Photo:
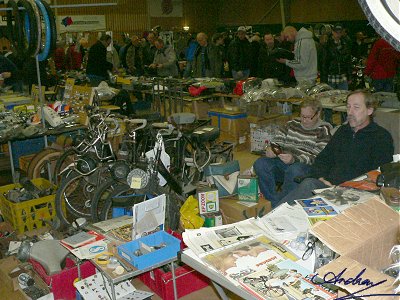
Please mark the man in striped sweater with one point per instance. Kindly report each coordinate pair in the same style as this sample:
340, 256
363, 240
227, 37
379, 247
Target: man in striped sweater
301, 140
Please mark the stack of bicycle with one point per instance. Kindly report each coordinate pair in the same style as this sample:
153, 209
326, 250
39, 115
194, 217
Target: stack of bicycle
153, 158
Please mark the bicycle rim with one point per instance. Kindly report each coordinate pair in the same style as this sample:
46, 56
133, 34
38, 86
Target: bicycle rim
38, 167
73, 198
64, 160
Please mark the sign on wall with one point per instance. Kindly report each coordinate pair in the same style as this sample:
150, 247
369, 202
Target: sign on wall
165, 8
81, 23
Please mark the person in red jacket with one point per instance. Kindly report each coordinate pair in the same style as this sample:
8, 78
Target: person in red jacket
382, 64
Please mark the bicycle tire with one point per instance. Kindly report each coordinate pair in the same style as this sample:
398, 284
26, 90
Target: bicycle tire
389, 30
44, 53
30, 27
102, 197
14, 31
38, 22
64, 160
39, 161
119, 190
70, 187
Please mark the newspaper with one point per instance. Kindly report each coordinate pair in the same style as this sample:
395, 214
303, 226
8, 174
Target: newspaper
285, 222
207, 239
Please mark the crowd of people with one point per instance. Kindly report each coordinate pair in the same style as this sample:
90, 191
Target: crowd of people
291, 56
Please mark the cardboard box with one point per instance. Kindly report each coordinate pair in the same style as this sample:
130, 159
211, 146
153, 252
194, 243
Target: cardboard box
363, 236
248, 188
10, 268
233, 211
233, 126
208, 200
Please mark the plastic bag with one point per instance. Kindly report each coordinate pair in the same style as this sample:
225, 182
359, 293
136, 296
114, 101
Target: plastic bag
190, 218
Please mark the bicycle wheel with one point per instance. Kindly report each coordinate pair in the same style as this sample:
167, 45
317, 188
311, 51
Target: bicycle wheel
103, 197
73, 197
38, 167
273, 291
63, 161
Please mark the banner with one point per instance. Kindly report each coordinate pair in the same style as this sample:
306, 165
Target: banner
81, 23
165, 8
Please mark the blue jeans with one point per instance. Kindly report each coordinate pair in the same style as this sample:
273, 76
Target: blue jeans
383, 85
303, 191
273, 170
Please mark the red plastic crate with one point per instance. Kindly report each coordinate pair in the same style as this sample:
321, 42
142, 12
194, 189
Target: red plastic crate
62, 283
187, 281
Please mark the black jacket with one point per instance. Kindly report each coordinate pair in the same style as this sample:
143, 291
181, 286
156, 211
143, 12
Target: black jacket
349, 155
336, 59
97, 61
239, 55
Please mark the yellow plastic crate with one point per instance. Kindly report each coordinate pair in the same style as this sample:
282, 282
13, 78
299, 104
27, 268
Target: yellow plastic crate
31, 214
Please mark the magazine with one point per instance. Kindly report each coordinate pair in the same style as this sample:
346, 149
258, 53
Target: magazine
248, 256
317, 209
81, 239
284, 280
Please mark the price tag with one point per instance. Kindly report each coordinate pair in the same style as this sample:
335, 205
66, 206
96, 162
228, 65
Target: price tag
136, 182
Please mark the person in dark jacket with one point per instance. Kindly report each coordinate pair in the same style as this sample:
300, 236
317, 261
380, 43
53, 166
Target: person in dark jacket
268, 67
336, 65
97, 66
356, 148
239, 55
218, 54
149, 51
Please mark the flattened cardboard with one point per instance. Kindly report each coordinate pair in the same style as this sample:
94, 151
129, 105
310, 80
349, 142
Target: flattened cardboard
363, 236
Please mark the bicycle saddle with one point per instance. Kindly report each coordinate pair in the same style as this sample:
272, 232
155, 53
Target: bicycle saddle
183, 118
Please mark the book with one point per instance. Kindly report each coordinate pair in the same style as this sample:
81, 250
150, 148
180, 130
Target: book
80, 239
285, 280
317, 209
245, 257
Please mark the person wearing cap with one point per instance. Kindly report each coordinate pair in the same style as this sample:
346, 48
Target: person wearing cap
336, 64
304, 63
239, 55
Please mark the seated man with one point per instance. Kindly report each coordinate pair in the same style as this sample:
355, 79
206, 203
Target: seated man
301, 139
357, 147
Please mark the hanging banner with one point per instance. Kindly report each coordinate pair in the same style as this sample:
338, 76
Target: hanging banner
165, 8
81, 23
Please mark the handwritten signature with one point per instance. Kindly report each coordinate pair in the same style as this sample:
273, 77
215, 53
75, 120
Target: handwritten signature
332, 278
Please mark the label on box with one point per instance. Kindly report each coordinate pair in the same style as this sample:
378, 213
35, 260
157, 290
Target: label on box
208, 201
248, 188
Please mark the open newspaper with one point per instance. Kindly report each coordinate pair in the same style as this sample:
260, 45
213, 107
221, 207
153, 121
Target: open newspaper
246, 257
204, 239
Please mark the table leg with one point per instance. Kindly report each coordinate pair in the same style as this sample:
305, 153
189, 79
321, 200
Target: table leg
220, 291
174, 281
14, 179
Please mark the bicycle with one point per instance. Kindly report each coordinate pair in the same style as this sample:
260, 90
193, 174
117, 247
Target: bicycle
87, 170
262, 286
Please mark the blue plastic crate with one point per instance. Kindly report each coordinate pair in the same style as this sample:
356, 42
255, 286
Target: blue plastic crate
28, 146
147, 260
